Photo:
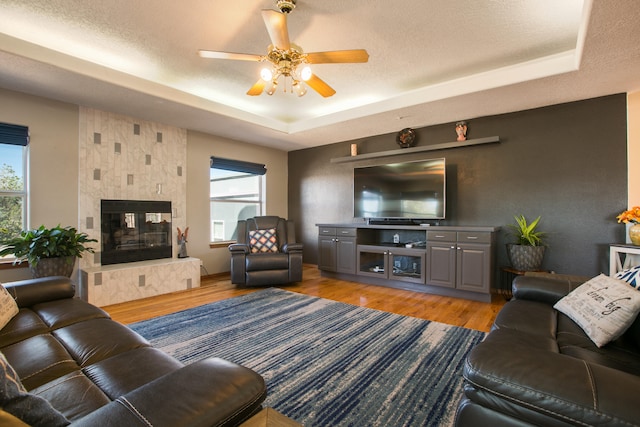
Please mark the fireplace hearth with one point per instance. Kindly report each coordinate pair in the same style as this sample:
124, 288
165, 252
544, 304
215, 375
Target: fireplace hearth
135, 230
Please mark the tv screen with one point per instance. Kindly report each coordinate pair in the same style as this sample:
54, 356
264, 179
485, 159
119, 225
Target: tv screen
411, 190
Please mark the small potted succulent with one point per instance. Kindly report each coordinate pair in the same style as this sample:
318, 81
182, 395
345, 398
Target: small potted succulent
528, 251
49, 251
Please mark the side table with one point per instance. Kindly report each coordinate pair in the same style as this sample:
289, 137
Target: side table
621, 256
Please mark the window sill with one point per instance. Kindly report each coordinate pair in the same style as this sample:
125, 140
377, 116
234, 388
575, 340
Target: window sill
7, 264
214, 245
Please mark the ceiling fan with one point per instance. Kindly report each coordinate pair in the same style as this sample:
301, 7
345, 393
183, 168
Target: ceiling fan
287, 59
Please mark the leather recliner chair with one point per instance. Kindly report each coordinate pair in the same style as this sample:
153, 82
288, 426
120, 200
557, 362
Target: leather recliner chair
254, 263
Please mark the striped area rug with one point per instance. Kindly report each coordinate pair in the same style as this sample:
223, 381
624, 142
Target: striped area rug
328, 363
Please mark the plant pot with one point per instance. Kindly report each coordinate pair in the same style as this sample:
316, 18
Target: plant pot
634, 234
525, 258
62, 266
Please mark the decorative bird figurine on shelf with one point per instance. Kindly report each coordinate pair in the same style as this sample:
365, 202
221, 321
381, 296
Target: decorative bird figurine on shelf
182, 242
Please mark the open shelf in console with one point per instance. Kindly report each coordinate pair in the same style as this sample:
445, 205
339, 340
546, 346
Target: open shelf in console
393, 237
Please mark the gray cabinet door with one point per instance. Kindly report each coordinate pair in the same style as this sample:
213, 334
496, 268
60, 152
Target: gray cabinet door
327, 253
441, 264
346, 255
474, 265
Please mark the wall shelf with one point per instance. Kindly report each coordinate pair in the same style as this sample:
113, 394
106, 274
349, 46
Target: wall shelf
433, 147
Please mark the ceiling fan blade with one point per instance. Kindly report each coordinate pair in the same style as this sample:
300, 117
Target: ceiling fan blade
276, 23
337, 56
317, 84
229, 55
257, 88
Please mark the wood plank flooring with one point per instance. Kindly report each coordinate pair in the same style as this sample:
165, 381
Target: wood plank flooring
453, 311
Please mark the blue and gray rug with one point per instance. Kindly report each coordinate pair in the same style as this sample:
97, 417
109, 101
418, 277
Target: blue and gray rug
328, 363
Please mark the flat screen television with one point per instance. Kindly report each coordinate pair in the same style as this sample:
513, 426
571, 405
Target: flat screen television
411, 190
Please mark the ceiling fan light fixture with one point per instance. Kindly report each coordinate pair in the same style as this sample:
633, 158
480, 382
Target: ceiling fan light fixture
271, 89
305, 73
286, 6
266, 74
299, 88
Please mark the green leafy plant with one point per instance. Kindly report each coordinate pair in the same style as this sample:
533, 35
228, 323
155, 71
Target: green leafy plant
526, 233
42, 242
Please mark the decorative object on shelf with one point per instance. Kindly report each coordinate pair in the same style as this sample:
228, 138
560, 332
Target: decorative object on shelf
354, 149
632, 216
461, 130
49, 251
527, 253
182, 243
406, 137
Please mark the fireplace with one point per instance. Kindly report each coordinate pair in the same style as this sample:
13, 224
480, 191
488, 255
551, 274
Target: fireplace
135, 230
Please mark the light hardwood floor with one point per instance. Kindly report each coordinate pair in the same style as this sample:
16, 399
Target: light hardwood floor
453, 311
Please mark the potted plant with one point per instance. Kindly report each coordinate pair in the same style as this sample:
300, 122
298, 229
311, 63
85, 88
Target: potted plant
49, 251
632, 216
527, 253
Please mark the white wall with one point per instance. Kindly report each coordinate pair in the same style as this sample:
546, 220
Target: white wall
53, 170
200, 148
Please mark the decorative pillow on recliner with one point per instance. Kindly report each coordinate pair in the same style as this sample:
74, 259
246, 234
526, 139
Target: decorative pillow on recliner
630, 275
30, 408
263, 241
8, 307
604, 307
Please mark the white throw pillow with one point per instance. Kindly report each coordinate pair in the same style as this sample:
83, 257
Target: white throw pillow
604, 307
8, 307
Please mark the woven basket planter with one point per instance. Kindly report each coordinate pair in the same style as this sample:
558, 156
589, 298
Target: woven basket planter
525, 258
62, 266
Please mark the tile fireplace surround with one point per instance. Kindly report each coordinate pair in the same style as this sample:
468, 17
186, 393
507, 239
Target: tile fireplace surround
122, 158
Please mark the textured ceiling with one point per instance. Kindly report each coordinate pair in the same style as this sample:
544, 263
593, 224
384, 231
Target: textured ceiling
430, 61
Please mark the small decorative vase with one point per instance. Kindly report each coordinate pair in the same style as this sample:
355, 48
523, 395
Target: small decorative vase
634, 234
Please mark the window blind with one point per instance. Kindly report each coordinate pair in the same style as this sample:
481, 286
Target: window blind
238, 166
14, 134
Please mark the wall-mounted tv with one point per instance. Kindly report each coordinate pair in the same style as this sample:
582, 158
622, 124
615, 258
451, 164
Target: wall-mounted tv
410, 190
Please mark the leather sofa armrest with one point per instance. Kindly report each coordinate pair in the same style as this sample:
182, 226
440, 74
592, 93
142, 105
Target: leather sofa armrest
542, 289
211, 392
510, 371
239, 247
292, 247
34, 291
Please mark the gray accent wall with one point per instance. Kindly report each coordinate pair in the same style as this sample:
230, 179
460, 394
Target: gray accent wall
567, 163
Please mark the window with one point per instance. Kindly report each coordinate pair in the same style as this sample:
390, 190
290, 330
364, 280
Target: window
236, 192
13, 178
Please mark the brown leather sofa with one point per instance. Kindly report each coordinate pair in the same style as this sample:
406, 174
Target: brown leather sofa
97, 372
538, 367
278, 267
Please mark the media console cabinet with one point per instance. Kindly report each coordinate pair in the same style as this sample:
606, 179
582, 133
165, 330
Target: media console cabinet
444, 260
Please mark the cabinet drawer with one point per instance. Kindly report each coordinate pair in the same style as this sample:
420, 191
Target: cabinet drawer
327, 231
350, 232
441, 236
473, 237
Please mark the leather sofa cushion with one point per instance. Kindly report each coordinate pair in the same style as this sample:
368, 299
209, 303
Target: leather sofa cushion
528, 317
39, 360
125, 372
24, 325
73, 394
86, 341
526, 372
61, 313
267, 261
